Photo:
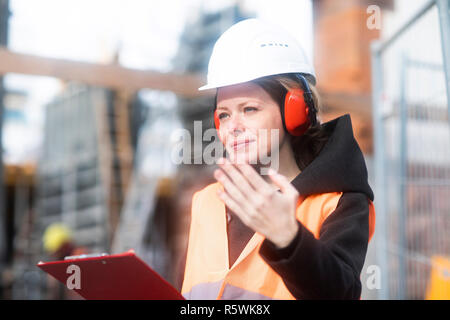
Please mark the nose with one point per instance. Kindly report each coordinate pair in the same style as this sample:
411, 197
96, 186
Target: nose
235, 125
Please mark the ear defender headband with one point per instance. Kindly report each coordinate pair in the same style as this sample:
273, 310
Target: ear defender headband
298, 112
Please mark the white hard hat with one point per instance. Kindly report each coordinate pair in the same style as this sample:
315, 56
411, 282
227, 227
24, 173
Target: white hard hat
252, 49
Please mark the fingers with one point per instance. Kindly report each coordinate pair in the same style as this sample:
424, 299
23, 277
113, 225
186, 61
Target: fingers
257, 182
239, 180
250, 179
229, 186
233, 205
283, 183
252, 186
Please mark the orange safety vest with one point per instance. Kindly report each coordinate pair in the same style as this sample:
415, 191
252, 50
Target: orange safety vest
207, 273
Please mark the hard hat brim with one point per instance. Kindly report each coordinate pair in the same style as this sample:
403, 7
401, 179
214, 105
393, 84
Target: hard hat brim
310, 77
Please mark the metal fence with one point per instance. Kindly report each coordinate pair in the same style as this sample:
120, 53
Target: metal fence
412, 152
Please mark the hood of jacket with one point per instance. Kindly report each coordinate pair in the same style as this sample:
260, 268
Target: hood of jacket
339, 166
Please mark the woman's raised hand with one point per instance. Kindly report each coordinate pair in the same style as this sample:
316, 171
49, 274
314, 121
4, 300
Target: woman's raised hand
257, 203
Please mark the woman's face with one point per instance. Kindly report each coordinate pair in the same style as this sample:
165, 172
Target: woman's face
250, 122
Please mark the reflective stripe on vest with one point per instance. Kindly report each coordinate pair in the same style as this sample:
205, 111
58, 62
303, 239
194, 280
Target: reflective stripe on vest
210, 291
207, 273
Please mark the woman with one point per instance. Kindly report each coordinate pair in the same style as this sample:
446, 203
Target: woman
301, 232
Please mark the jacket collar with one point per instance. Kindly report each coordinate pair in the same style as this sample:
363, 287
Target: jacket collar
340, 165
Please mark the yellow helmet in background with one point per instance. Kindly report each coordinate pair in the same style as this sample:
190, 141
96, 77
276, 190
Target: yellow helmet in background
55, 236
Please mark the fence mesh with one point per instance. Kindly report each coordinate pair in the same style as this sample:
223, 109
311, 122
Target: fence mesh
416, 157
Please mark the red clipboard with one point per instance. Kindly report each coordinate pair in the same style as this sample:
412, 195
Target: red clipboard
121, 276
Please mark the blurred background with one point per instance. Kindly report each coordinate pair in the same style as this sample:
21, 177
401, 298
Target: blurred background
91, 92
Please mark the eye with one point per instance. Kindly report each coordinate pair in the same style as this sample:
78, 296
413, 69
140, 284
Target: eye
250, 109
222, 115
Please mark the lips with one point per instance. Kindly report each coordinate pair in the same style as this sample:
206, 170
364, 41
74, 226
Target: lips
237, 145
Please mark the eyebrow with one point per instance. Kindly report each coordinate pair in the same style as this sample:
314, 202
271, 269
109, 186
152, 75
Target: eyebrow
239, 105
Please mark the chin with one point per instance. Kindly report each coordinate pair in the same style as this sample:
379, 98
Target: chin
241, 157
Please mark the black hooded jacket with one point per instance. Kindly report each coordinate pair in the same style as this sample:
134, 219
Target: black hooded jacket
328, 267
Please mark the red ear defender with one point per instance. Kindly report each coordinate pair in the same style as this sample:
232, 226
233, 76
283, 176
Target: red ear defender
217, 124
216, 121
296, 117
